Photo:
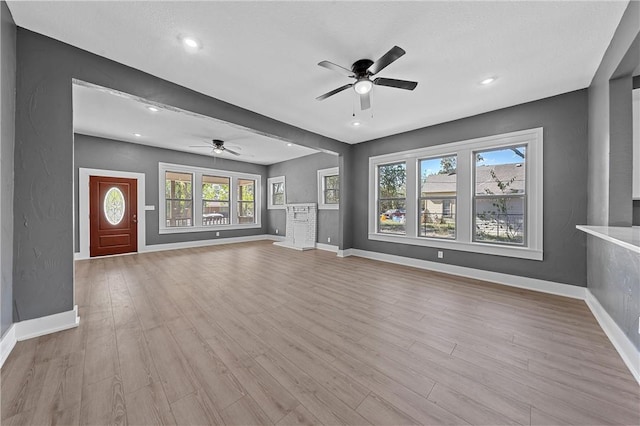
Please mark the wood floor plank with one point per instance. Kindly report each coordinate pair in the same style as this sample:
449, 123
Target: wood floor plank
188, 337
175, 373
300, 416
135, 360
103, 403
149, 406
320, 402
196, 409
245, 411
271, 396
380, 412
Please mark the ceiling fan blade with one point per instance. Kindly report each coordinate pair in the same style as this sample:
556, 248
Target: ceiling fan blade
392, 82
333, 92
386, 59
231, 152
200, 146
337, 68
365, 101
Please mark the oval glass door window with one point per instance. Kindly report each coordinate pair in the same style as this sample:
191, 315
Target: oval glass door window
114, 206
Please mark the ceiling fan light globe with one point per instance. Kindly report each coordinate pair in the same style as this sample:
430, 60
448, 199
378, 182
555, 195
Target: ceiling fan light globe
217, 150
363, 86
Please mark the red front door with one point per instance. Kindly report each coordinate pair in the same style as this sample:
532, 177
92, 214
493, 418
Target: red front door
113, 221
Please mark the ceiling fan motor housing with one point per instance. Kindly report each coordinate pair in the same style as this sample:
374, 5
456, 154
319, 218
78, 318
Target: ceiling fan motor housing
360, 68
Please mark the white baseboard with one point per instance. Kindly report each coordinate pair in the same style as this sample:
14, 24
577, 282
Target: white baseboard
327, 247
205, 243
36, 327
628, 352
193, 244
534, 284
7, 342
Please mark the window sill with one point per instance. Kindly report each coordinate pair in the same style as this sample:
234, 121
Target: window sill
278, 207
480, 248
188, 229
328, 206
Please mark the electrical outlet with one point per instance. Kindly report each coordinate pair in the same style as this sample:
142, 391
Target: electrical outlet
276, 230
328, 239
217, 233
440, 254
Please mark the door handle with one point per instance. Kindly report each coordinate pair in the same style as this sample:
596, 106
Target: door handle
135, 219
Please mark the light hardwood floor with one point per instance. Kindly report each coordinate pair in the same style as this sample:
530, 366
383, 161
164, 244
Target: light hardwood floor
256, 334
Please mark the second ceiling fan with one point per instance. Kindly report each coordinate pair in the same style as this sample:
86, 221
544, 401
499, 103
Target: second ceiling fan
362, 70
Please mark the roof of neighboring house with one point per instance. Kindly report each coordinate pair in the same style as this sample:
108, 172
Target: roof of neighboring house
485, 182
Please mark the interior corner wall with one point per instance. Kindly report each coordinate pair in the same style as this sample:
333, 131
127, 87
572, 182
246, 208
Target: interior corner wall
301, 186
612, 271
43, 196
7, 142
107, 154
564, 120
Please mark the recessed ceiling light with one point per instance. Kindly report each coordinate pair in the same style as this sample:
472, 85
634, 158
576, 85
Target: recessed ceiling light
355, 123
153, 109
289, 144
137, 135
488, 81
190, 43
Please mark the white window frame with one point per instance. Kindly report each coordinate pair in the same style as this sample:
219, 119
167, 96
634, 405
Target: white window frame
197, 173
270, 182
333, 171
533, 249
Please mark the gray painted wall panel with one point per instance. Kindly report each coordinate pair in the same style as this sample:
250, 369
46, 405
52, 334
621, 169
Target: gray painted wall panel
7, 126
564, 121
613, 271
43, 229
98, 153
301, 187
614, 279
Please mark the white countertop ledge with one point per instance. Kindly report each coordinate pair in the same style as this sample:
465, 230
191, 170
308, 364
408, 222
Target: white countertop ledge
627, 237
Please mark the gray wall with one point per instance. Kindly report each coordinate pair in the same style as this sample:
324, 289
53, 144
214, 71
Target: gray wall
301, 187
613, 277
613, 273
564, 119
7, 141
43, 235
98, 153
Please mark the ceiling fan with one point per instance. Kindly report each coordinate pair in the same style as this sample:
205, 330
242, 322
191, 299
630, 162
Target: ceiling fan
362, 70
217, 147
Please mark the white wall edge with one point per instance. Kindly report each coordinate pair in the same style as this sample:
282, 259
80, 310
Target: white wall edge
527, 283
205, 243
36, 327
628, 352
7, 343
327, 247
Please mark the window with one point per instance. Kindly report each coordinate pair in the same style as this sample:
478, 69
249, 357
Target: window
197, 199
246, 201
215, 200
438, 189
392, 193
329, 188
178, 199
482, 195
277, 195
499, 197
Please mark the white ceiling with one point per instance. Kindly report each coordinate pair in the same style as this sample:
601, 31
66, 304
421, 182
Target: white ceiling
109, 114
263, 56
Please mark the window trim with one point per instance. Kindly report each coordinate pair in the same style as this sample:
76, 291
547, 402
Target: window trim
322, 173
196, 194
270, 182
533, 250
